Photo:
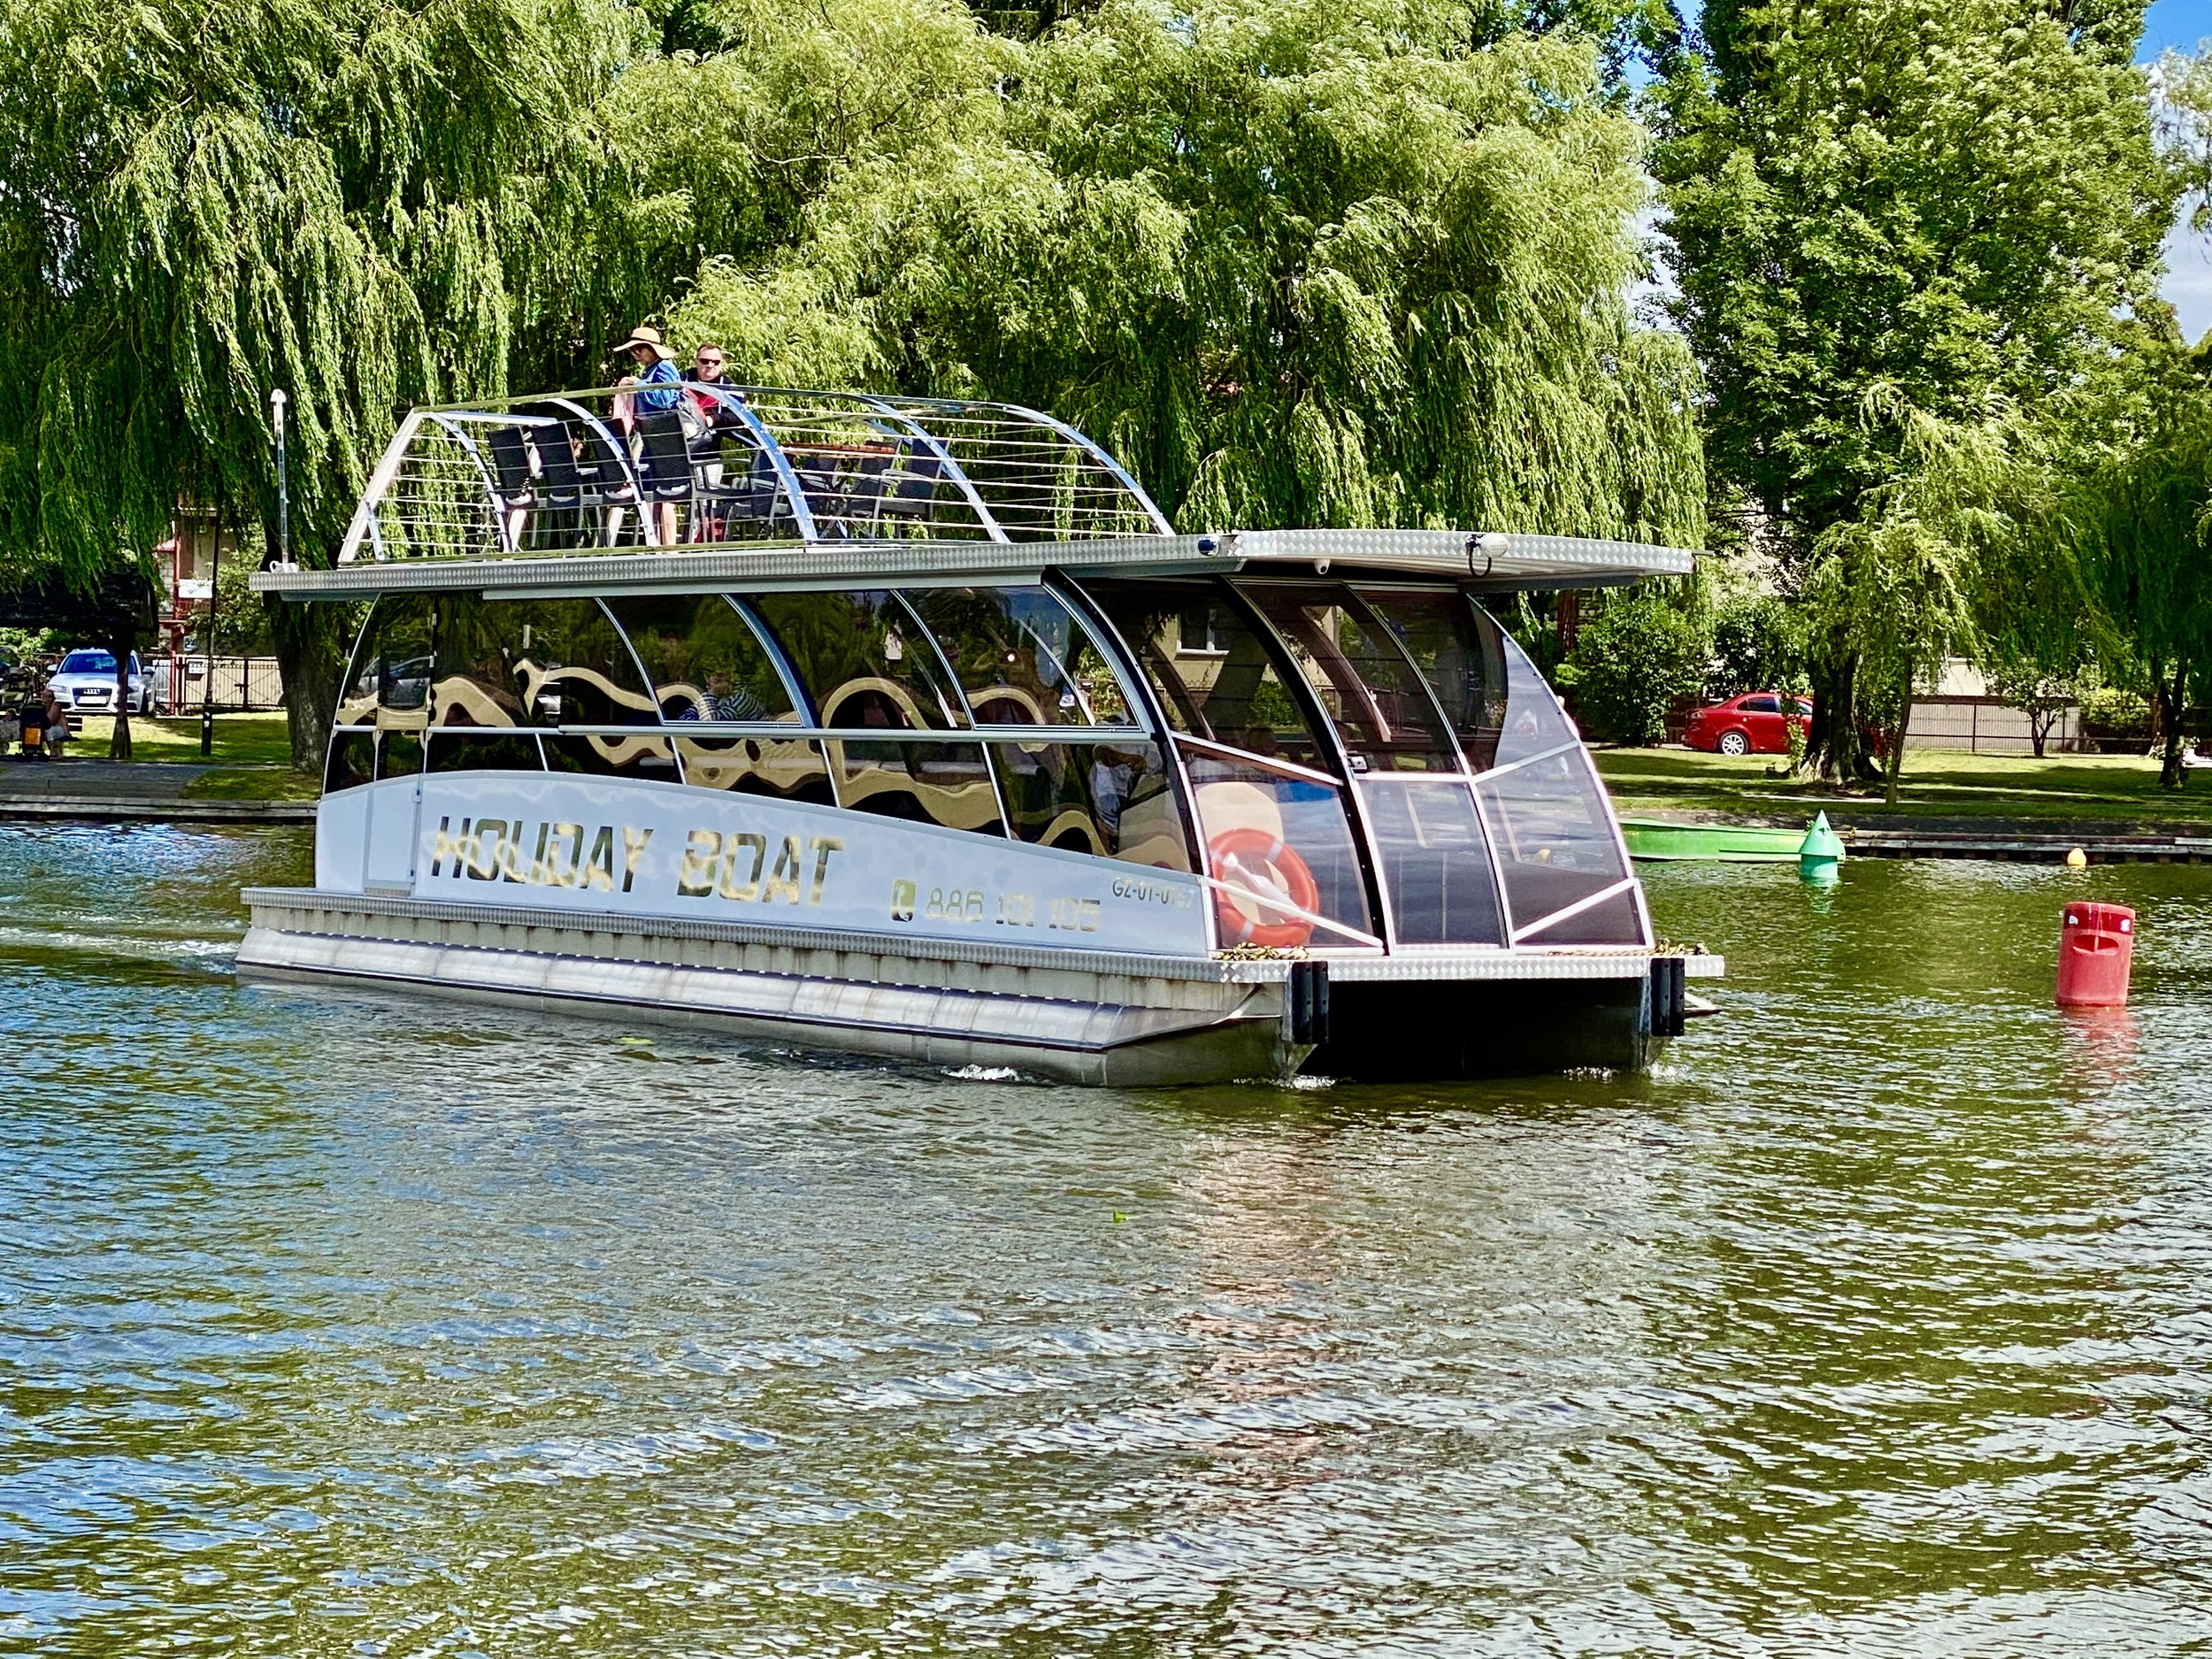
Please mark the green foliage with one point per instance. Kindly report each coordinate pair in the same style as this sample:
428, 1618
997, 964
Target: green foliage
242, 621
2119, 709
1298, 263
2140, 520
1904, 230
1632, 661
1350, 262
1758, 645
1933, 203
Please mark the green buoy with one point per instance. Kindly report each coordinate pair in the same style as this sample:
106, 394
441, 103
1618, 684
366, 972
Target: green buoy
1820, 854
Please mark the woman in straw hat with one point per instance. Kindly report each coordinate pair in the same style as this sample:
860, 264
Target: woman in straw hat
655, 371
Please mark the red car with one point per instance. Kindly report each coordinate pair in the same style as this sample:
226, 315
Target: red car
1749, 724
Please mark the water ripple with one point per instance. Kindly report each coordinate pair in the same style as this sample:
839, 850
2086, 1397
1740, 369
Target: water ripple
1878, 1321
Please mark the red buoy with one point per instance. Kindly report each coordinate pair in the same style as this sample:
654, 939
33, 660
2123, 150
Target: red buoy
2096, 948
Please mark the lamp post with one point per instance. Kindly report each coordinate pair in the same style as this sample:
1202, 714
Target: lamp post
284, 499
207, 642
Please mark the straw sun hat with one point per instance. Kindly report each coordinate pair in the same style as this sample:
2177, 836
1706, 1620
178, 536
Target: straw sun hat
648, 337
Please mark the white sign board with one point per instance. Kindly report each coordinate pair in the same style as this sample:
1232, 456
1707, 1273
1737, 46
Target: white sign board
603, 845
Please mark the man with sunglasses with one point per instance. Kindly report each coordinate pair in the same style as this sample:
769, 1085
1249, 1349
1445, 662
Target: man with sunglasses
706, 370
709, 417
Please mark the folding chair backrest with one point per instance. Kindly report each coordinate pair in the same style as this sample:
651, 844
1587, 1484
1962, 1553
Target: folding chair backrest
510, 459
605, 468
667, 472
914, 486
563, 484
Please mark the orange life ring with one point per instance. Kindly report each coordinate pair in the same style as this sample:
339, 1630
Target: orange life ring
1228, 851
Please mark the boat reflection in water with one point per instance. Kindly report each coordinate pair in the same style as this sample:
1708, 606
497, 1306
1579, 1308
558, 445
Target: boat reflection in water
926, 736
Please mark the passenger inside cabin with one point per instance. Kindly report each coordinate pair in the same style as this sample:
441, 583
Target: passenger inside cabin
724, 700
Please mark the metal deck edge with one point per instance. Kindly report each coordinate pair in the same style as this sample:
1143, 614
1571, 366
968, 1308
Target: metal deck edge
1595, 963
1523, 561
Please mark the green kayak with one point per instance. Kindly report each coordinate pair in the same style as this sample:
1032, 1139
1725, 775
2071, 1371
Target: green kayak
1652, 838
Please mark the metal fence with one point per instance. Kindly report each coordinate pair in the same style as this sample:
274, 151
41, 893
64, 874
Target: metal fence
181, 684
1983, 726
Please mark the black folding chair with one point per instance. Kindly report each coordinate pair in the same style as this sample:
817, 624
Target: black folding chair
912, 489
752, 496
859, 491
664, 467
562, 489
517, 485
607, 479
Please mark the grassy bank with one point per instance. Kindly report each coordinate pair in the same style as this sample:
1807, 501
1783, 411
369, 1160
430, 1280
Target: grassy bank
2117, 789
241, 740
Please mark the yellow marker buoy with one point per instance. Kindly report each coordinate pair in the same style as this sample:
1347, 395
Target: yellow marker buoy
2078, 859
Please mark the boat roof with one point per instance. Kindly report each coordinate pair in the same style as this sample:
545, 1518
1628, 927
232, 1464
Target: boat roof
1493, 563
722, 485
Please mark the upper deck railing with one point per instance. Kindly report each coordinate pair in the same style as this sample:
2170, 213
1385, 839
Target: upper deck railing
697, 466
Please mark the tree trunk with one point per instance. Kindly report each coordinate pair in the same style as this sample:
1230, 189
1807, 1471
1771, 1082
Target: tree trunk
311, 642
2172, 705
1833, 745
1895, 759
122, 643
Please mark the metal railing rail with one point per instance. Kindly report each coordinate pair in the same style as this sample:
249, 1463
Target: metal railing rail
718, 465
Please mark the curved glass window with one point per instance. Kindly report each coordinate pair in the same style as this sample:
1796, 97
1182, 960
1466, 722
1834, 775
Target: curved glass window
478, 750
863, 659
787, 769
398, 754
1551, 826
1460, 652
352, 760
1436, 869
384, 702
534, 663
610, 755
1381, 709
706, 661
1109, 799
1280, 850
924, 782
387, 684
1215, 676
1022, 657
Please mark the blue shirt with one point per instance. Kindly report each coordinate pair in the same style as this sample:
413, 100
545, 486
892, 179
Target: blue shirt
662, 373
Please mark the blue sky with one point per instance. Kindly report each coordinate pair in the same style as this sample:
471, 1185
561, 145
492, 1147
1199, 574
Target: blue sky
2182, 25
2178, 23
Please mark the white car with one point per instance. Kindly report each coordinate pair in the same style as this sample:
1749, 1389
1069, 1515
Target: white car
86, 682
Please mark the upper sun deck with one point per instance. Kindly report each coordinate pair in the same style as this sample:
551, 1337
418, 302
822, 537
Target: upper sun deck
621, 488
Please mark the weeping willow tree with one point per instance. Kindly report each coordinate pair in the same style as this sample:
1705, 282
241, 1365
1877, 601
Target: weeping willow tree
1353, 264
1298, 263
2139, 514
201, 200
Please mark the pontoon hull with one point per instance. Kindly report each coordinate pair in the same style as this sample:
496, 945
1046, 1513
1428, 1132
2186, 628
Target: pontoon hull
1082, 1017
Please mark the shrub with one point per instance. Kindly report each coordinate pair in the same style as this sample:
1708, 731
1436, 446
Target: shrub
1632, 662
1759, 645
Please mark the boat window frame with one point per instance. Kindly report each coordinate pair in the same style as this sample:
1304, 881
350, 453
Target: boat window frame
1377, 626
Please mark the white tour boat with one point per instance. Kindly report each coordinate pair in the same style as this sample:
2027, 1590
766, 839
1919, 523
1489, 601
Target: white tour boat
912, 727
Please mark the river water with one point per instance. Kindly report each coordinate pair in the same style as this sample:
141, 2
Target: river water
1878, 1321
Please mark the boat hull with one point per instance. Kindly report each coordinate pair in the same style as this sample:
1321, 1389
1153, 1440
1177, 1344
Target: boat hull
1100, 1017
1659, 840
